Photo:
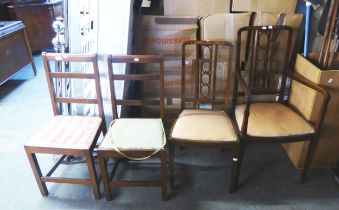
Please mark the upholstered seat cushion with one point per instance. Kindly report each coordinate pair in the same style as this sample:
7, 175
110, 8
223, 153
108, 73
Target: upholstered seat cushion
134, 134
67, 132
204, 125
272, 120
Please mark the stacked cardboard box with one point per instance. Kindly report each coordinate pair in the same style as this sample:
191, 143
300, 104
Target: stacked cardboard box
165, 35
200, 19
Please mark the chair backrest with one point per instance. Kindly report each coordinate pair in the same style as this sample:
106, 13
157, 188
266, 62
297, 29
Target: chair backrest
208, 54
268, 59
52, 76
136, 59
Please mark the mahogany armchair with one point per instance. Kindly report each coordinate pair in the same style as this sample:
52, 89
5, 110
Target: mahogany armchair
274, 120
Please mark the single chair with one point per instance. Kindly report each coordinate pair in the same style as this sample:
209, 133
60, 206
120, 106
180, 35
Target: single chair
268, 116
65, 134
204, 120
134, 138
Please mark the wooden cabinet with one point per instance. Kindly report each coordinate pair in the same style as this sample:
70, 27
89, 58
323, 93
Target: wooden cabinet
38, 19
14, 49
4, 15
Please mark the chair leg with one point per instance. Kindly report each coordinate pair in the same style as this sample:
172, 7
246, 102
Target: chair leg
241, 148
93, 175
37, 172
171, 163
104, 175
310, 153
163, 175
233, 178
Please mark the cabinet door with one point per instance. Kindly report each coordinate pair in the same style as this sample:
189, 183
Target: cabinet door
13, 55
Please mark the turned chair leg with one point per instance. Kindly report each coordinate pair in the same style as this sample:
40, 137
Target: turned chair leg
37, 172
163, 175
93, 175
171, 164
309, 157
105, 179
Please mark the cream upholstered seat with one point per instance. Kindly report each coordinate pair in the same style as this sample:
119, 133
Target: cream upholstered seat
135, 134
203, 125
67, 132
272, 120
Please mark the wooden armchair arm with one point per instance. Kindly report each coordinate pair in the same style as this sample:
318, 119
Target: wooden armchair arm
248, 96
322, 91
244, 87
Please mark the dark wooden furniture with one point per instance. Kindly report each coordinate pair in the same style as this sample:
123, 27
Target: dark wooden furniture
205, 127
131, 138
15, 51
272, 121
4, 14
38, 18
68, 135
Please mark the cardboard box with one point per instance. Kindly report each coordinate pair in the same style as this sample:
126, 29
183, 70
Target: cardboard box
195, 7
292, 20
306, 101
172, 78
225, 27
274, 6
158, 34
164, 35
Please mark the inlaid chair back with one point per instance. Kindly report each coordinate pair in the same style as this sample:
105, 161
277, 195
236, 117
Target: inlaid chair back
213, 62
267, 59
55, 77
136, 59
204, 120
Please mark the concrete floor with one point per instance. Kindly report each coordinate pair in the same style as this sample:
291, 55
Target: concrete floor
268, 179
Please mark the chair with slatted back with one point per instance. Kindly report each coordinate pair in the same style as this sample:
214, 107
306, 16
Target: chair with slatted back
204, 120
134, 138
269, 114
68, 135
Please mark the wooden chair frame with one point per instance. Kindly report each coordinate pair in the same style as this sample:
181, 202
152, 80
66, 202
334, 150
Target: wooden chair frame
31, 150
104, 155
248, 92
198, 99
